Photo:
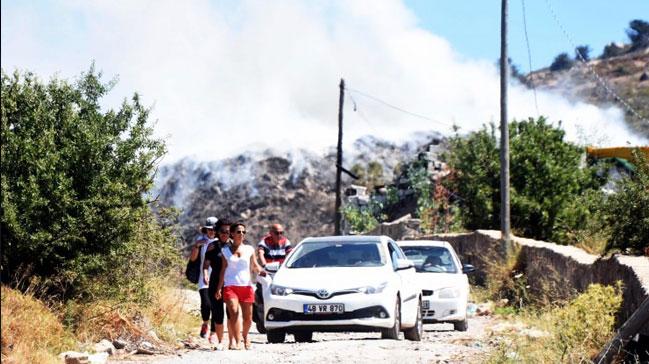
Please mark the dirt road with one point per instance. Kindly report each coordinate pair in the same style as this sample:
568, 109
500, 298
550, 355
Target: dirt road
440, 345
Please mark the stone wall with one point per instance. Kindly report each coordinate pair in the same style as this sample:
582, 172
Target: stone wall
554, 270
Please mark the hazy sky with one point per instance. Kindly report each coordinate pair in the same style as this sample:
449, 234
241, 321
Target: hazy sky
226, 76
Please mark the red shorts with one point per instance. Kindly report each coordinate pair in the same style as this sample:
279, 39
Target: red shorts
244, 294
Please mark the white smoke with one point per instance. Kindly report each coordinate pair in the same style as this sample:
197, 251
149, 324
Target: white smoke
225, 76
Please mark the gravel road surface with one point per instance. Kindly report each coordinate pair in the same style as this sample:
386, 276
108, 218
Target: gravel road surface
440, 344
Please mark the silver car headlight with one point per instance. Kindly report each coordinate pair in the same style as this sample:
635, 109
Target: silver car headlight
280, 291
372, 289
449, 292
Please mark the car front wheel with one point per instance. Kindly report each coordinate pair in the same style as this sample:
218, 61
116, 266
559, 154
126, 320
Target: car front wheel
461, 325
393, 332
416, 332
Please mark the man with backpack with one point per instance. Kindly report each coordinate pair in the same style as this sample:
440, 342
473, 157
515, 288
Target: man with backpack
202, 242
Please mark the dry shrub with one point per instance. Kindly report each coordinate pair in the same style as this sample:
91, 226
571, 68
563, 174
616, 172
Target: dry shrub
169, 316
505, 280
31, 333
573, 333
162, 321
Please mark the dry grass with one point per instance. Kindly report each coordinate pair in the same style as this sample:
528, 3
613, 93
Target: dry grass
161, 321
31, 333
168, 316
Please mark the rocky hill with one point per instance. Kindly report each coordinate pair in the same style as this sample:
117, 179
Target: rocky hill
627, 75
295, 188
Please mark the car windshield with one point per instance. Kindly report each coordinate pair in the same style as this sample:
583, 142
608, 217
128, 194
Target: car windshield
336, 254
431, 259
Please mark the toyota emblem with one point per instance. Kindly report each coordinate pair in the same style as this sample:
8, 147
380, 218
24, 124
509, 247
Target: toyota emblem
322, 293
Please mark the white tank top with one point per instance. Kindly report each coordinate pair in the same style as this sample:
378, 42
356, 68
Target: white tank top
201, 282
237, 273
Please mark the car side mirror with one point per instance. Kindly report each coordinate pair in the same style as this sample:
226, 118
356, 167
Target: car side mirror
272, 267
404, 264
468, 268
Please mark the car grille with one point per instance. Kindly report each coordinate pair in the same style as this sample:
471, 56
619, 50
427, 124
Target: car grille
428, 313
313, 293
279, 314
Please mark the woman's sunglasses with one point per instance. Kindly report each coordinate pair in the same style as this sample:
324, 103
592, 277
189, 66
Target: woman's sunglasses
240, 232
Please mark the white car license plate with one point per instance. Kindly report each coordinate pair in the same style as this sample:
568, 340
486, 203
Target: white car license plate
425, 305
324, 308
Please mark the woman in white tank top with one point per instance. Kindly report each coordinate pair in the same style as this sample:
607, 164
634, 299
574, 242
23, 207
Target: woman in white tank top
238, 264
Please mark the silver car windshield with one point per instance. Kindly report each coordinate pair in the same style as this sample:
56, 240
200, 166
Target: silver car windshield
336, 254
431, 259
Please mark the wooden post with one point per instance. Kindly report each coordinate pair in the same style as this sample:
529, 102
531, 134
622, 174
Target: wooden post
339, 160
504, 132
632, 326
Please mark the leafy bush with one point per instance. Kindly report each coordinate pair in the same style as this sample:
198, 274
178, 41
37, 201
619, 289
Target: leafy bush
73, 180
360, 219
562, 62
627, 211
582, 223
573, 333
545, 177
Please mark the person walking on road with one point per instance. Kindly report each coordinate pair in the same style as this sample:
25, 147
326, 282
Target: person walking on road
273, 247
213, 262
199, 249
238, 263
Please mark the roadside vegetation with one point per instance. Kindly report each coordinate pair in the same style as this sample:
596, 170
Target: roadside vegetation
84, 256
555, 196
570, 333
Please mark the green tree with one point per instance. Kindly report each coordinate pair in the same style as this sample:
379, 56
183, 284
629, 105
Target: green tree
638, 33
73, 183
627, 211
562, 62
612, 50
545, 176
370, 175
582, 52
360, 219
476, 167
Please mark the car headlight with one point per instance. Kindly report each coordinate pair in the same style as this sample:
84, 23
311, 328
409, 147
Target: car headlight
373, 289
449, 293
280, 291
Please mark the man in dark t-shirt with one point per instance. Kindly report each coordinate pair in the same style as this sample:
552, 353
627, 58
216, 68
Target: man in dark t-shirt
213, 260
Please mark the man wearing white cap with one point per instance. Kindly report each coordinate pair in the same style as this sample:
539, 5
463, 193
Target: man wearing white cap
202, 241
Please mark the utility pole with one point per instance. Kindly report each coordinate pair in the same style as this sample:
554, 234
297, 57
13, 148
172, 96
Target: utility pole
339, 158
504, 131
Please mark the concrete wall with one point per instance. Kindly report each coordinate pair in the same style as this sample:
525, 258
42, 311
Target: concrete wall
559, 270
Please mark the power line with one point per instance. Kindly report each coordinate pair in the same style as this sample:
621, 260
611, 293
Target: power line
598, 78
360, 113
385, 103
529, 58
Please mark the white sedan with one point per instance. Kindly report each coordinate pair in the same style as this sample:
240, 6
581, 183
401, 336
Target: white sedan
343, 283
442, 279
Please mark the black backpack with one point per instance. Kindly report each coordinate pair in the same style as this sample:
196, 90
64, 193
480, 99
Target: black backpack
193, 270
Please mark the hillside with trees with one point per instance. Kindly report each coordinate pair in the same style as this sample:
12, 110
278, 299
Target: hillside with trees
623, 69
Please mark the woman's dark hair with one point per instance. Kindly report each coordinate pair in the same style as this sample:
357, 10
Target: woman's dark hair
234, 226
